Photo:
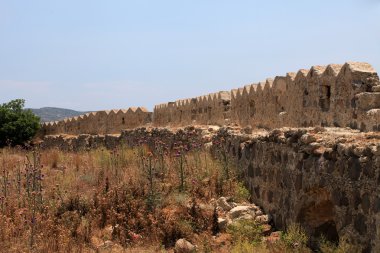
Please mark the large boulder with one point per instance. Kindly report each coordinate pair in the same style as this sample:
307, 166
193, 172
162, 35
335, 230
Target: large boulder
184, 246
238, 211
262, 219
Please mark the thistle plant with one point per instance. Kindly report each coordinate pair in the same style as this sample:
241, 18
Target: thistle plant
150, 176
148, 170
5, 184
161, 151
33, 187
180, 155
223, 157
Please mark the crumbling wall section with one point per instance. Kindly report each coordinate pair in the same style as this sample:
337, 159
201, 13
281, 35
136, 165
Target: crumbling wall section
101, 122
326, 181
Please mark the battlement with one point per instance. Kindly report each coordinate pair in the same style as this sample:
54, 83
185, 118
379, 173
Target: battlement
100, 122
211, 109
345, 95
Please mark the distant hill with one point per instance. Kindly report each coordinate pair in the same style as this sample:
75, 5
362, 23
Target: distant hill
52, 113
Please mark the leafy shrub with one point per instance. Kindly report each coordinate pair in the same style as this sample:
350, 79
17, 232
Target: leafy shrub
242, 246
245, 230
241, 192
295, 236
17, 125
343, 246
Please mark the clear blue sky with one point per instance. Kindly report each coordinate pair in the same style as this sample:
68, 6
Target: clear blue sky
93, 55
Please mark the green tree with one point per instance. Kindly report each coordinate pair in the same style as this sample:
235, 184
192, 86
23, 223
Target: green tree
17, 125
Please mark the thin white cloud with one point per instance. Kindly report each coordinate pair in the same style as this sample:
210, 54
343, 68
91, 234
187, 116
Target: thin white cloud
34, 92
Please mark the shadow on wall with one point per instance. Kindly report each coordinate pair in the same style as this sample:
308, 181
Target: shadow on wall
317, 215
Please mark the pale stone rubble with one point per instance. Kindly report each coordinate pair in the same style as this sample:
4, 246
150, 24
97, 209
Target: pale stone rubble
184, 246
231, 212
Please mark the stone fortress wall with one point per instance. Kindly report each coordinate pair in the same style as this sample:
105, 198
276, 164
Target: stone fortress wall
326, 179
345, 95
211, 109
101, 122
335, 95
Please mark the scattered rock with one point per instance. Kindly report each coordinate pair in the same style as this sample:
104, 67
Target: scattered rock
311, 147
222, 224
364, 159
262, 219
375, 150
222, 202
376, 88
246, 216
238, 211
208, 145
307, 139
319, 129
247, 130
267, 229
106, 245
184, 246
273, 237
233, 204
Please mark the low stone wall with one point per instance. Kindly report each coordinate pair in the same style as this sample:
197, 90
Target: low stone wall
325, 179
188, 137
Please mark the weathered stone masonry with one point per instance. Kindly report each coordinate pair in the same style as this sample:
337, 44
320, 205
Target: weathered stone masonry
326, 178
326, 181
335, 95
101, 122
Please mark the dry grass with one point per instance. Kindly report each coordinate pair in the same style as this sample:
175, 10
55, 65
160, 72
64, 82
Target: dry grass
140, 199
53, 201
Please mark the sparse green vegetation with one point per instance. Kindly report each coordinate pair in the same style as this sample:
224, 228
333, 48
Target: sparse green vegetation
241, 192
343, 246
295, 237
246, 231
